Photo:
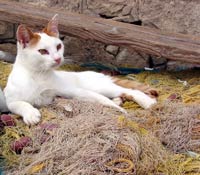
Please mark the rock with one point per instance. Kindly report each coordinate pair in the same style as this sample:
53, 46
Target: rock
6, 56
7, 30
86, 51
158, 61
91, 12
123, 54
73, 6
3, 28
37, 2
3, 106
126, 10
107, 8
7, 34
135, 11
175, 16
8, 47
112, 49
130, 58
178, 66
127, 19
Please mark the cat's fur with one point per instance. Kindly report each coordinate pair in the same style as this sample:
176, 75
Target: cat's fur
33, 81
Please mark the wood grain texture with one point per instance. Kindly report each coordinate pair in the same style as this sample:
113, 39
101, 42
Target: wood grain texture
151, 41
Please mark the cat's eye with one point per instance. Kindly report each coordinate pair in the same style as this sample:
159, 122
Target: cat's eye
43, 51
58, 46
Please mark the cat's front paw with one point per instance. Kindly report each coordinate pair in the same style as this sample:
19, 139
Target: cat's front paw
32, 116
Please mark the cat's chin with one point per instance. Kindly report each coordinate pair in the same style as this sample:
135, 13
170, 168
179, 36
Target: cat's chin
51, 67
54, 66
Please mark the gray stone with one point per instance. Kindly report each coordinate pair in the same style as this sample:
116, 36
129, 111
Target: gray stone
3, 28
86, 51
158, 61
112, 49
131, 58
107, 8
6, 56
178, 66
8, 47
175, 16
135, 11
122, 55
126, 10
6, 30
127, 19
3, 106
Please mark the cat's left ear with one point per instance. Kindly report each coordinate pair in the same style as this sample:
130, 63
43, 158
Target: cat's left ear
52, 27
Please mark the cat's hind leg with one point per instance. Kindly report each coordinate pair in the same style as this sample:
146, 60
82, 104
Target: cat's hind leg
139, 97
131, 84
113, 91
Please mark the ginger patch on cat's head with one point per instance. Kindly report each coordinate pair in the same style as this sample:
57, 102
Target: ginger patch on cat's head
26, 37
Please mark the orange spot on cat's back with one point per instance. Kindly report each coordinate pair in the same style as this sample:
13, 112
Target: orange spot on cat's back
136, 85
126, 83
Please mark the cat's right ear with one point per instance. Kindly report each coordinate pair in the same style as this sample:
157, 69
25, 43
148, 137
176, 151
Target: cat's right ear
24, 35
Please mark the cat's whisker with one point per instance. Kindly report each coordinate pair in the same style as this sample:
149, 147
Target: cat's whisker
68, 60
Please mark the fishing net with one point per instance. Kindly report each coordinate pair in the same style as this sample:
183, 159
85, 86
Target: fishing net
175, 124
91, 139
78, 137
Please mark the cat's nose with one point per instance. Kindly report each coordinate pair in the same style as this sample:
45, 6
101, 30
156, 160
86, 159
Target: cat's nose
57, 60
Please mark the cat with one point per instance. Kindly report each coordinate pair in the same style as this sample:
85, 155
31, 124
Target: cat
34, 82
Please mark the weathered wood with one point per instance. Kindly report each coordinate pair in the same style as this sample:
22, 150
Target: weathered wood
172, 46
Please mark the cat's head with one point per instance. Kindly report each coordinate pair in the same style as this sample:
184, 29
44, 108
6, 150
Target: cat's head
43, 50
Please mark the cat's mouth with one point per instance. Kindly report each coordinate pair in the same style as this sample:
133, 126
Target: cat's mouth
56, 64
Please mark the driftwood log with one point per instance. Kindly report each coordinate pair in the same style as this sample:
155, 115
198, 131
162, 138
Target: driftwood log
151, 41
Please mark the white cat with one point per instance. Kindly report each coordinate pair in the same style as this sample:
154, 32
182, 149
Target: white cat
34, 81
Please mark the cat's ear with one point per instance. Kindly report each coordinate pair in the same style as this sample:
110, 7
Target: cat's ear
52, 27
24, 35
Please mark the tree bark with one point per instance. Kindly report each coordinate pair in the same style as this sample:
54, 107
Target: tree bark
172, 46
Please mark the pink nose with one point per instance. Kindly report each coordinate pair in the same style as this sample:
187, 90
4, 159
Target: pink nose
58, 60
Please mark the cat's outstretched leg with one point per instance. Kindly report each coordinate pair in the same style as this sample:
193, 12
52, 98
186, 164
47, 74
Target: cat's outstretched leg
139, 97
114, 91
113, 87
30, 114
88, 95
